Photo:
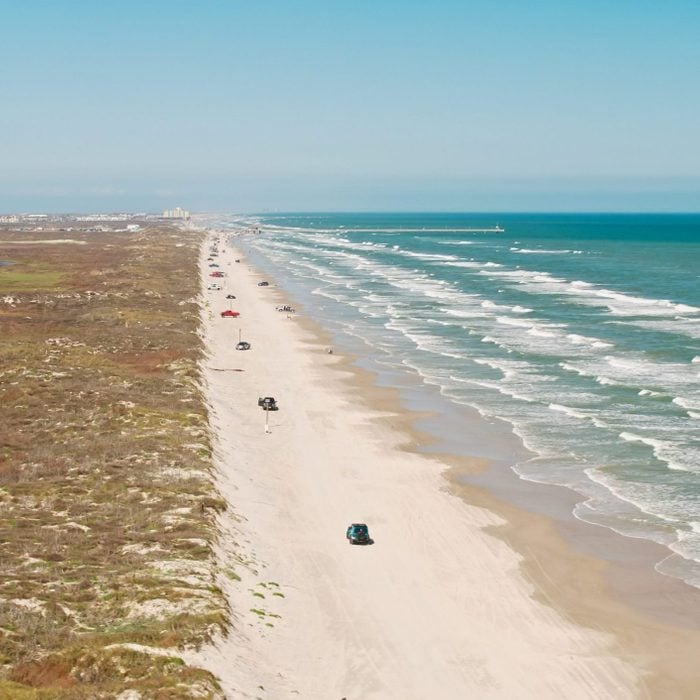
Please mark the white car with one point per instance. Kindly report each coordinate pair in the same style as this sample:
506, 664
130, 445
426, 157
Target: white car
214, 287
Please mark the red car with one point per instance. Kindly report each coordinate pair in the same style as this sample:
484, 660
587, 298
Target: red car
218, 273
230, 314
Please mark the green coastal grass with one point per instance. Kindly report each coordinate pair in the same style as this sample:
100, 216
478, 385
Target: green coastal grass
18, 281
107, 504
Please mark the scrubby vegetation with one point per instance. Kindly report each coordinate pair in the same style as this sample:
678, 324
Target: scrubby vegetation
107, 504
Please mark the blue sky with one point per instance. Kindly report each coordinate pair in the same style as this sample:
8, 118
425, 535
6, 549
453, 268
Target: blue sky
384, 105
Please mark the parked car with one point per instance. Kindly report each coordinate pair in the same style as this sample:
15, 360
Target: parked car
268, 403
230, 314
263, 284
230, 296
358, 533
214, 287
286, 308
216, 273
243, 345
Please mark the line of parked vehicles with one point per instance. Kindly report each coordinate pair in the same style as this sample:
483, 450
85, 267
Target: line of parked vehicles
356, 533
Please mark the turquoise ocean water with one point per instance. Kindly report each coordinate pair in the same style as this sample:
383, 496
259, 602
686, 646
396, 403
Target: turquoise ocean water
578, 333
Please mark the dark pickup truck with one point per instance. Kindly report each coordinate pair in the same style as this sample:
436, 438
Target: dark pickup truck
267, 403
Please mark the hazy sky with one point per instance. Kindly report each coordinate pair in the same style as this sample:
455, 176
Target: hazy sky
245, 105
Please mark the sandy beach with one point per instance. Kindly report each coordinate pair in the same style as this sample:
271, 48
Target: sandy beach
438, 606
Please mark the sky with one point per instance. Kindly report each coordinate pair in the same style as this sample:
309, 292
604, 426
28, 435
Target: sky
320, 105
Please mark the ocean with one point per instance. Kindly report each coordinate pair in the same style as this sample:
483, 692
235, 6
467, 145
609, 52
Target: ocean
575, 339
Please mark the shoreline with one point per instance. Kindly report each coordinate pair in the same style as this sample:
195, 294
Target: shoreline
385, 402
498, 449
644, 608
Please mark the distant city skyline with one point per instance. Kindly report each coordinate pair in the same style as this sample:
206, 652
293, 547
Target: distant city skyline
222, 106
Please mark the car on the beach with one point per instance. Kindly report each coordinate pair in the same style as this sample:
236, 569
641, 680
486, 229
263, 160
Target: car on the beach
242, 345
267, 403
214, 287
229, 313
230, 296
216, 273
358, 533
285, 307
263, 284
213, 264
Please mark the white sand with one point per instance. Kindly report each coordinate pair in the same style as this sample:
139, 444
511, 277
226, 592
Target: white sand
436, 608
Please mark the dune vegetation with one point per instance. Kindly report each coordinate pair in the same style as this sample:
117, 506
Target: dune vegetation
107, 504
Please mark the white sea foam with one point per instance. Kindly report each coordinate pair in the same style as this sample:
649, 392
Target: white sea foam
472, 264
649, 519
428, 257
618, 303
648, 498
493, 363
634, 371
467, 313
574, 413
544, 251
688, 404
509, 321
538, 332
424, 341
577, 339
678, 325
672, 455
505, 390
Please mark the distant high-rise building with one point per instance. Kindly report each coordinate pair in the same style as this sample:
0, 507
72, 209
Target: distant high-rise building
177, 213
